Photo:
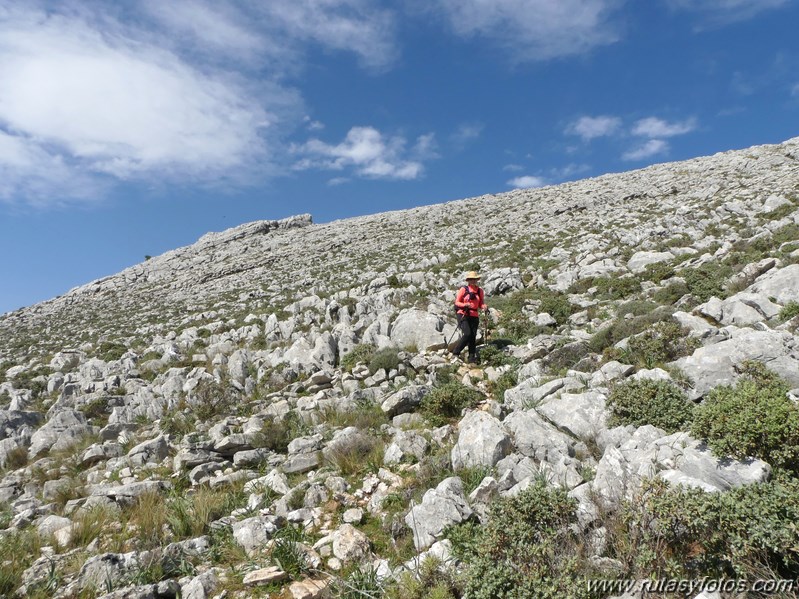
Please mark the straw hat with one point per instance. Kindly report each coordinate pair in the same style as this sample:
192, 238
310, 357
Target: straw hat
472, 274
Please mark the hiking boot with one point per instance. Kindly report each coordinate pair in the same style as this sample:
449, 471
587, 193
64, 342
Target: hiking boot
473, 359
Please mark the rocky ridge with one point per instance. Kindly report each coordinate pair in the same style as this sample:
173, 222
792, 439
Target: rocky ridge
271, 409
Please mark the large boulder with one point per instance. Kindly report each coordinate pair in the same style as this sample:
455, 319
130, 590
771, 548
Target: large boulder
640, 260
482, 441
62, 431
502, 280
405, 400
715, 364
781, 284
677, 458
582, 415
441, 507
415, 328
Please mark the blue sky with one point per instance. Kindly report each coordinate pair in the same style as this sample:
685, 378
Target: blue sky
128, 129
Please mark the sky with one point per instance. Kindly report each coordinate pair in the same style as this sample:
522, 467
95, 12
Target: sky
131, 128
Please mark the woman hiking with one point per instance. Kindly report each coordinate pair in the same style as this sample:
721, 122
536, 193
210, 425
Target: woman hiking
469, 301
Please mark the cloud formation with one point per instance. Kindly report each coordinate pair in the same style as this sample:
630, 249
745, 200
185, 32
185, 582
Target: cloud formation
527, 181
724, 12
185, 90
532, 30
655, 127
653, 147
591, 127
368, 154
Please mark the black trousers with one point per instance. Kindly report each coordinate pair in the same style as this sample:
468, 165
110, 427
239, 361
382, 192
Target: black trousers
469, 325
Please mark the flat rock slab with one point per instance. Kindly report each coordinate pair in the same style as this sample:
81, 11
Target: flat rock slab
264, 576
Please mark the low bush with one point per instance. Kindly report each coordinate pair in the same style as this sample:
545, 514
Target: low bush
447, 401
507, 380
359, 454
386, 359
644, 401
277, 434
527, 548
746, 533
708, 280
616, 288
567, 356
110, 351
362, 352
211, 398
433, 581
622, 328
789, 311
662, 342
287, 552
671, 293
754, 417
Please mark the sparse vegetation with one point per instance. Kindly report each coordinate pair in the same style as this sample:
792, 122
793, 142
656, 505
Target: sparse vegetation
754, 417
645, 401
447, 401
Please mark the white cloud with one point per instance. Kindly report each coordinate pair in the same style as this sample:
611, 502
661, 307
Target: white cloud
723, 12
654, 127
369, 154
120, 107
534, 29
467, 132
513, 168
795, 90
569, 171
590, 127
653, 147
46, 178
183, 91
527, 181
352, 25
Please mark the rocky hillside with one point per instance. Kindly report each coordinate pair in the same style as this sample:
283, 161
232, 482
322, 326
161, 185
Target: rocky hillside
271, 410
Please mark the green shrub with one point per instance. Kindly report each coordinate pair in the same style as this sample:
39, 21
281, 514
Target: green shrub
658, 271
277, 434
662, 342
491, 355
287, 552
212, 398
622, 328
431, 582
708, 280
386, 359
747, 533
644, 401
527, 549
789, 311
507, 380
359, 454
671, 293
514, 321
362, 582
566, 356
448, 401
616, 288
111, 350
362, 352
752, 418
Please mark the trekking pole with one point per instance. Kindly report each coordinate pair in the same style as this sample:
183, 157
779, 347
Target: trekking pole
451, 337
485, 327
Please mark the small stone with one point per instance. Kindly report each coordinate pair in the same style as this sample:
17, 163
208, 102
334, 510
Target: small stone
264, 576
353, 516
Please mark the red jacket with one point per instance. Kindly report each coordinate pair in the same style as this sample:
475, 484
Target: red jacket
470, 300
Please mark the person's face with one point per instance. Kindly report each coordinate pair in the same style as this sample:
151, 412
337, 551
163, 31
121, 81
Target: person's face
471, 282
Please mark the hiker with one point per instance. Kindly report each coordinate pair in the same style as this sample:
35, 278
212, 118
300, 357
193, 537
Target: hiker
469, 301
